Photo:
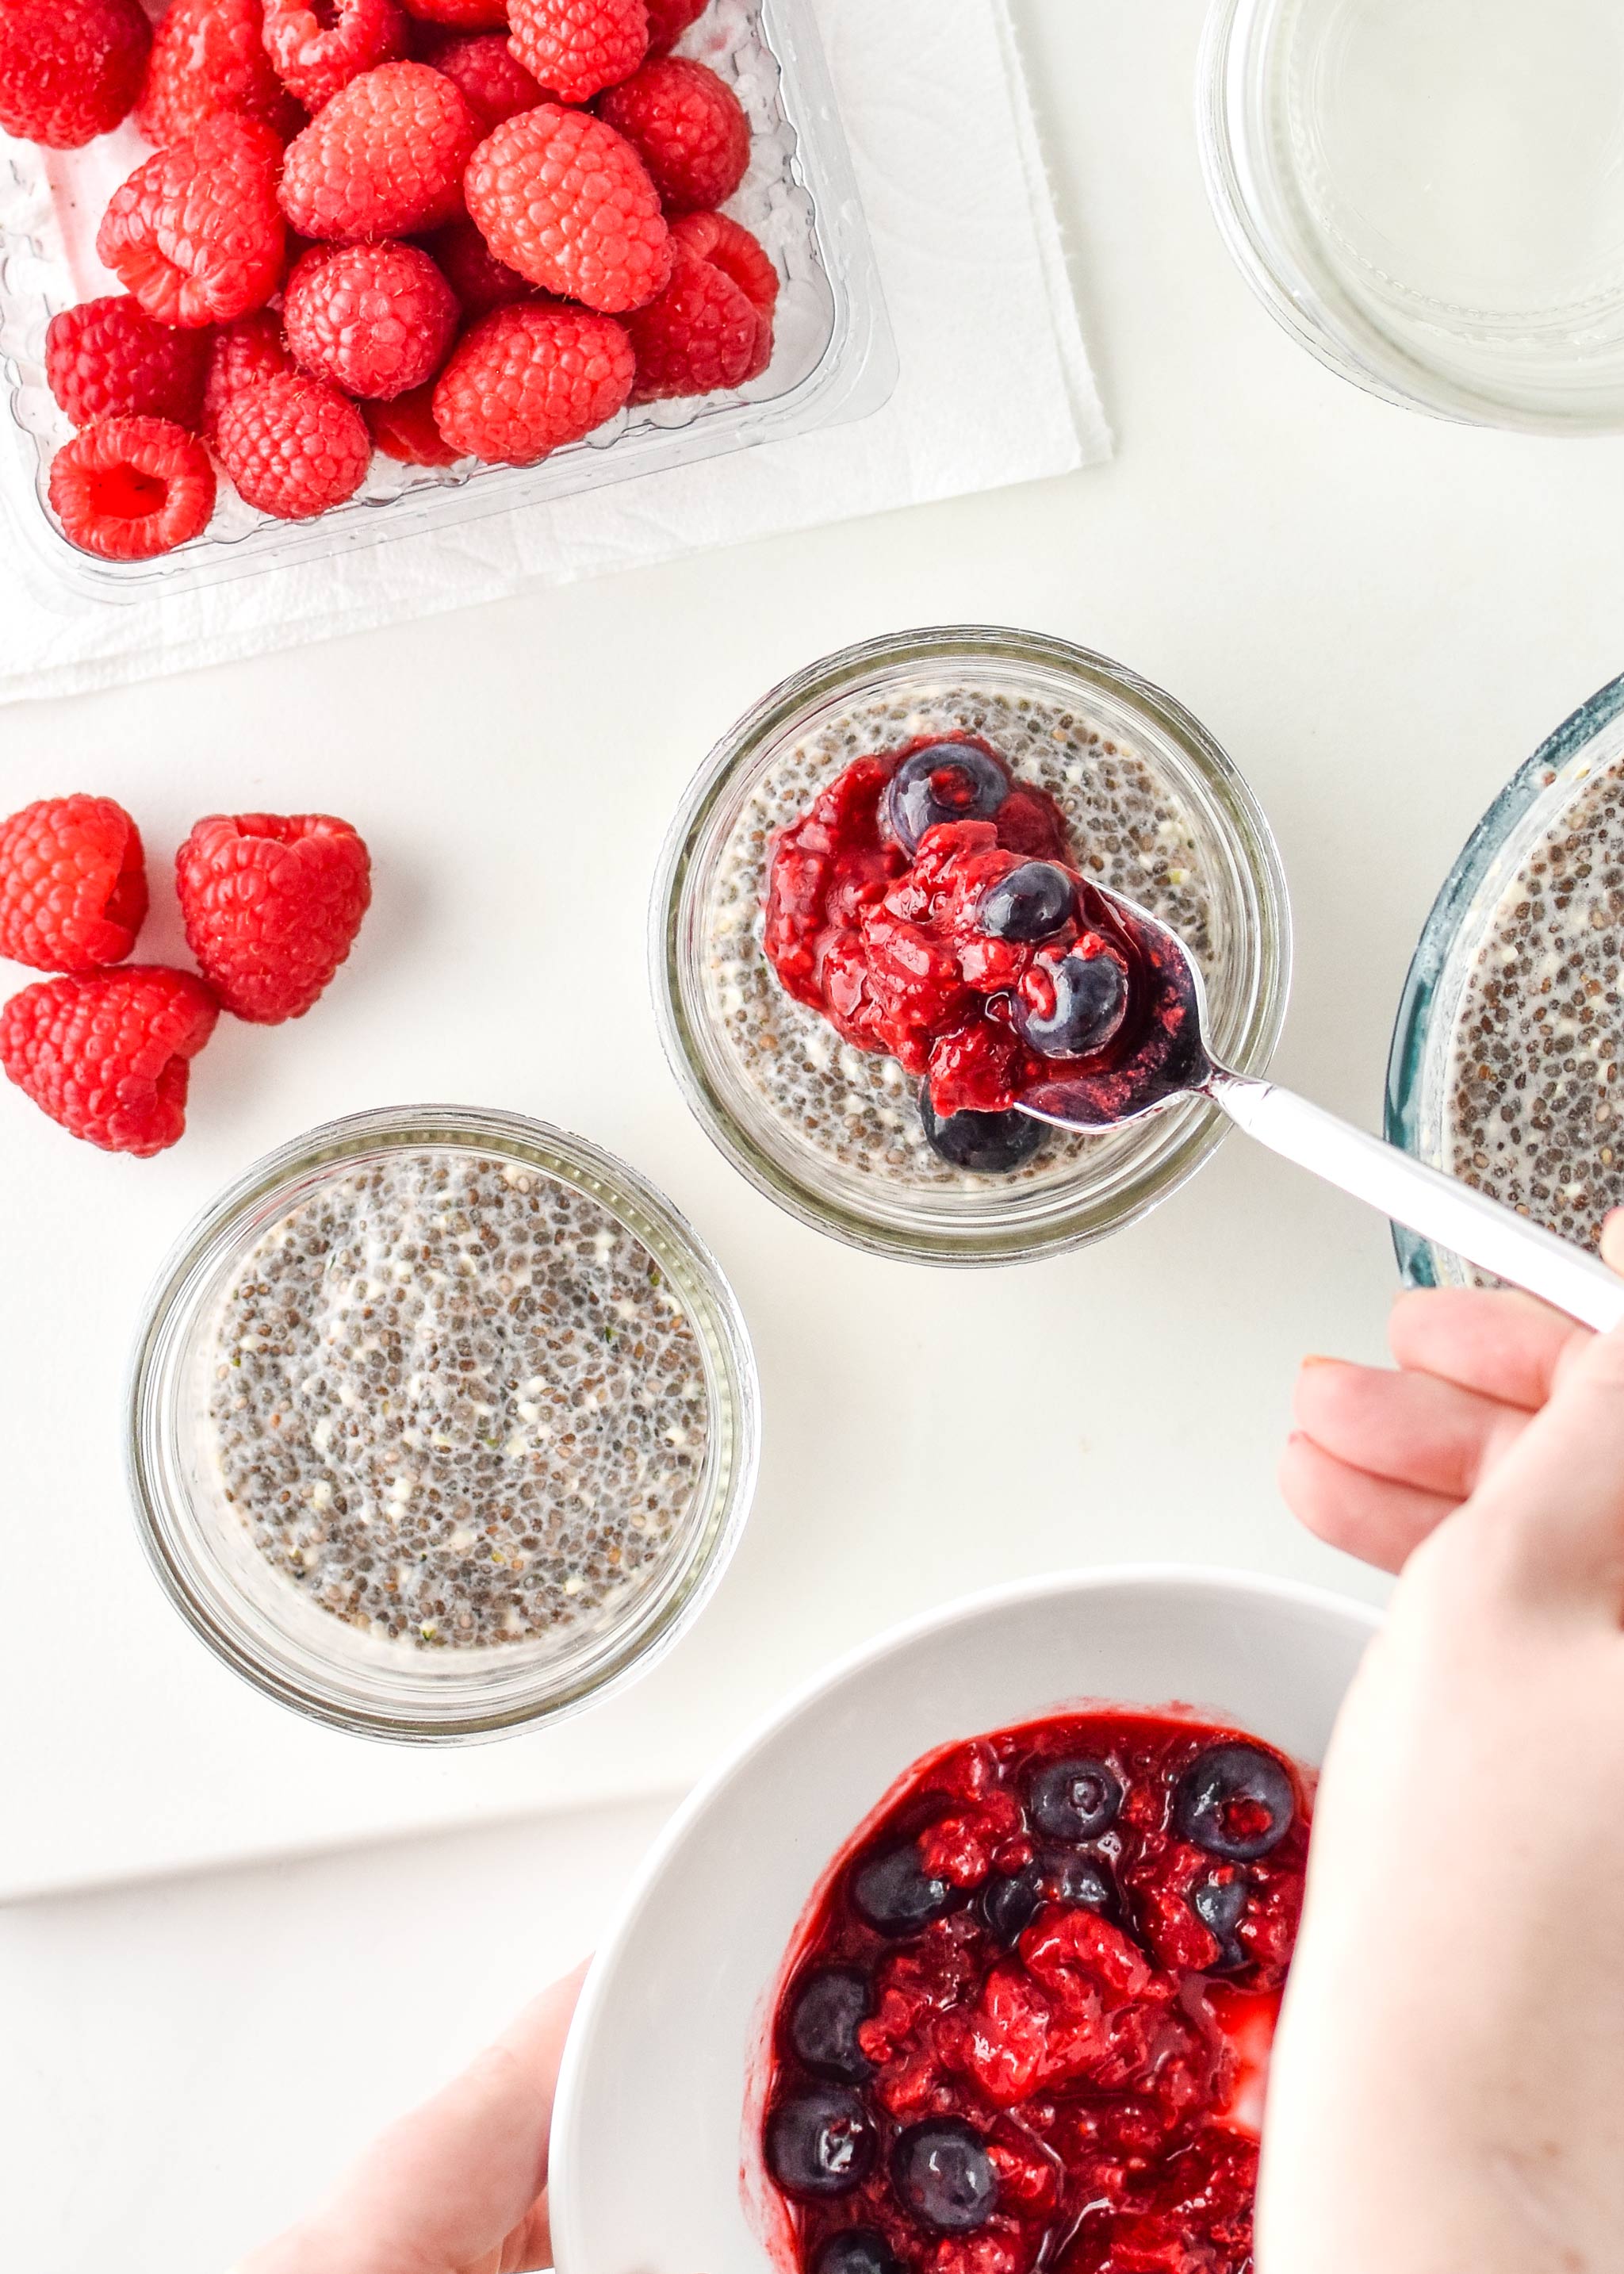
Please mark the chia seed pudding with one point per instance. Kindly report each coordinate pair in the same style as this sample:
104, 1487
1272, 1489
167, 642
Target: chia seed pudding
1534, 1113
1130, 829
457, 1403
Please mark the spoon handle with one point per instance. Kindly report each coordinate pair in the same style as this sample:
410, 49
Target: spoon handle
1438, 1207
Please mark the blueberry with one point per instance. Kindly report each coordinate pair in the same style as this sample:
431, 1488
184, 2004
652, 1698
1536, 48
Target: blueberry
1221, 1905
1081, 1881
944, 2176
823, 2024
820, 2143
1031, 903
946, 781
987, 1144
1235, 1801
855, 2250
897, 1895
1075, 1799
1009, 1902
1089, 999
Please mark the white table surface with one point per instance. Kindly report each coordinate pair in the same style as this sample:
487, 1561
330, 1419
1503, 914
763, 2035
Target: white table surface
1380, 616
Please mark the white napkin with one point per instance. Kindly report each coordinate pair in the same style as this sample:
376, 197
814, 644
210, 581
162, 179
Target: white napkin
994, 388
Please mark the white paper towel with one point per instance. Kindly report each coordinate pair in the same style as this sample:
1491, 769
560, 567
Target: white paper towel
994, 388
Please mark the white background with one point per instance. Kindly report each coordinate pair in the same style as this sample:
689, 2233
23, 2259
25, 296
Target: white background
1378, 615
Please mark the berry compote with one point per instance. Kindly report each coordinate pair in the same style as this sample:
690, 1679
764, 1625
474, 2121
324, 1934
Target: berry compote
1025, 2024
930, 905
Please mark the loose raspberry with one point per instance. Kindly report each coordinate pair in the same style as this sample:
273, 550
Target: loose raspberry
272, 903
526, 381
69, 68
128, 488
293, 446
384, 158
668, 19
705, 331
109, 1056
72, 884
566, 201
687, 127
495, 84
577, 48
405, 430
464, 15
251, 348
208, 56
195, 232
106, 358
480, 280
319, 46
374, 319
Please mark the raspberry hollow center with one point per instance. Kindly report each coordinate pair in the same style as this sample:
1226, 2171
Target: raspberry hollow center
126, 494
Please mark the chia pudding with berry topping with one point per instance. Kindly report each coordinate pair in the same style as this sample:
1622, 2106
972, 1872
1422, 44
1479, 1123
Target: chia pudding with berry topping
1143, 804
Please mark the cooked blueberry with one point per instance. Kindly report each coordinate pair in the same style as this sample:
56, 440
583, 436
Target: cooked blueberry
1032, 903
823, 2022
1221, 1905
1072, 1008
1081, 1881
897, 1896
1076, 1799
1235, 1801
946, 781
855, 2250
1009, 1902
987, 1144
820, 2143
943, 2173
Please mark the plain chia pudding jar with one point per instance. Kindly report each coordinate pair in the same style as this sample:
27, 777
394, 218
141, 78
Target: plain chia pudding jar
1154, 810
1505, 1065
442, 1423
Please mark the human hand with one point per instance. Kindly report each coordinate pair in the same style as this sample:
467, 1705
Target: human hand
459, 2187
1447, 2093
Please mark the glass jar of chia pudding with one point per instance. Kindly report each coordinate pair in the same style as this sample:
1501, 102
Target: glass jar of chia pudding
1151, 807
1506, 1060
442, 1423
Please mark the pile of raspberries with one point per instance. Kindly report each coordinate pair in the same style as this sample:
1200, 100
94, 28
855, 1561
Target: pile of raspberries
440, 228
271, 904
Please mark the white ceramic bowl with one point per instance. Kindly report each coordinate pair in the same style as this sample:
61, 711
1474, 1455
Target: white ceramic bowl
651, 2157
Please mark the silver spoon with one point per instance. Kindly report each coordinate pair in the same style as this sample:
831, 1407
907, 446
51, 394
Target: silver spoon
1171, 1060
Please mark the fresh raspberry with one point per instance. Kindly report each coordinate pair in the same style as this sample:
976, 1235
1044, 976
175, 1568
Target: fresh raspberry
108, 359
577, 48
480, 280
384, 158
566, 201
72, 884
463, 15
495, 84
128, 488
108, 1056
404, 429
319, 46
526, 381
706, 330
293, 446
687, 127
69, 68
251, 348
668, 19
272, 903
208, 56
195, 232
374, 319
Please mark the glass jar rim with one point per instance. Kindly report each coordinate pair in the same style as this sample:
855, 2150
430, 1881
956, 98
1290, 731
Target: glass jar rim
1250, 844
467, 1697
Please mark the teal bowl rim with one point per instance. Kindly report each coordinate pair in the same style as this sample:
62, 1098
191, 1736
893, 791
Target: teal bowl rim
1418, 1257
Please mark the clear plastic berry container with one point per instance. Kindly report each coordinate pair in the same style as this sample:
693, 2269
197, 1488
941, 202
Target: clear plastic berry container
837, 1142
833, 359
205, 1534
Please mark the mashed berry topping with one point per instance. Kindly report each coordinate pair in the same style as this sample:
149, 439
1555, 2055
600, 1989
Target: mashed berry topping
1025, 2022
